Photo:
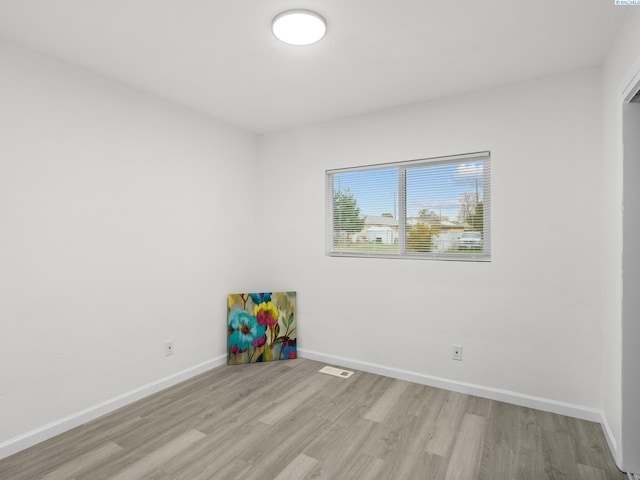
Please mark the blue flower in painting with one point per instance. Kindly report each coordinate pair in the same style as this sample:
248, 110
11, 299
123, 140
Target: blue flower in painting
261, 297
244, 330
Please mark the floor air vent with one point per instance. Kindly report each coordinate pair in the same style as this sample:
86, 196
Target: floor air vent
336, 372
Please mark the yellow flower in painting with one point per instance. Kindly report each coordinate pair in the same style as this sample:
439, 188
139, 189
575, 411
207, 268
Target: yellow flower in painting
231, 301
266, 313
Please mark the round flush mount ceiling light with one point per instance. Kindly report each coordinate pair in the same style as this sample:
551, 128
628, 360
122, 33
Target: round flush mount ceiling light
299, 27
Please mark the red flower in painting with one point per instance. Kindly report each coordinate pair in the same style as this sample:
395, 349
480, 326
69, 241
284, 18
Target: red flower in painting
266, 313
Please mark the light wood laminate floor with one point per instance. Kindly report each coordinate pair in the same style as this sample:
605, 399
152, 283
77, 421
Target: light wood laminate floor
286, 421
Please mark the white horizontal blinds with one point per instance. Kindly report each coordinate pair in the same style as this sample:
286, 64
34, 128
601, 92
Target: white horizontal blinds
486, 205
365, 211
329, 209
444, 199
432, 208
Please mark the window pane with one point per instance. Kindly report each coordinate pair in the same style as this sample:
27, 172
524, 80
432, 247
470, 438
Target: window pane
443, 202
365, 211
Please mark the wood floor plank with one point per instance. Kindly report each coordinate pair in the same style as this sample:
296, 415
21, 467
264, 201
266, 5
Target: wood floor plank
406, 430
230, 469
467, 450
479, 406
260, 397
280, 420
512, 444
226, 453
408, 441
291, 437
423, 465
560, 461
300, 467
587, 472
159, 456
349, 431
591, 444
408, 405
386, 402
446, 428
295, 397
84, 462
35, 462
360, 390
363, 467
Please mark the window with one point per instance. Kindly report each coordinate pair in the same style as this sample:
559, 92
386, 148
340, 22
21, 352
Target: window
435, 208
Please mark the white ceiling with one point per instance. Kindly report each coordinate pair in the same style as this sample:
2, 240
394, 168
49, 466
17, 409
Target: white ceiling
219, 56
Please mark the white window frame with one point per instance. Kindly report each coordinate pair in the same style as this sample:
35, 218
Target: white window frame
480, 256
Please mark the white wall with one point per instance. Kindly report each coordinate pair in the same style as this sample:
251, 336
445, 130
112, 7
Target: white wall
123, 222
529, 321
624, 51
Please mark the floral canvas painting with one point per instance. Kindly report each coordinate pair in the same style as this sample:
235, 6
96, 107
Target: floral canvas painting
261, 327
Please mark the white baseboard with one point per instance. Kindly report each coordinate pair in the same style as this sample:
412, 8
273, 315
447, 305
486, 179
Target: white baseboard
611, 440
57, 427
515, 398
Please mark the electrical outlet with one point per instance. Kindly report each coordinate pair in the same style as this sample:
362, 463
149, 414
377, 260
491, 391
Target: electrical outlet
457, 352
168, 347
